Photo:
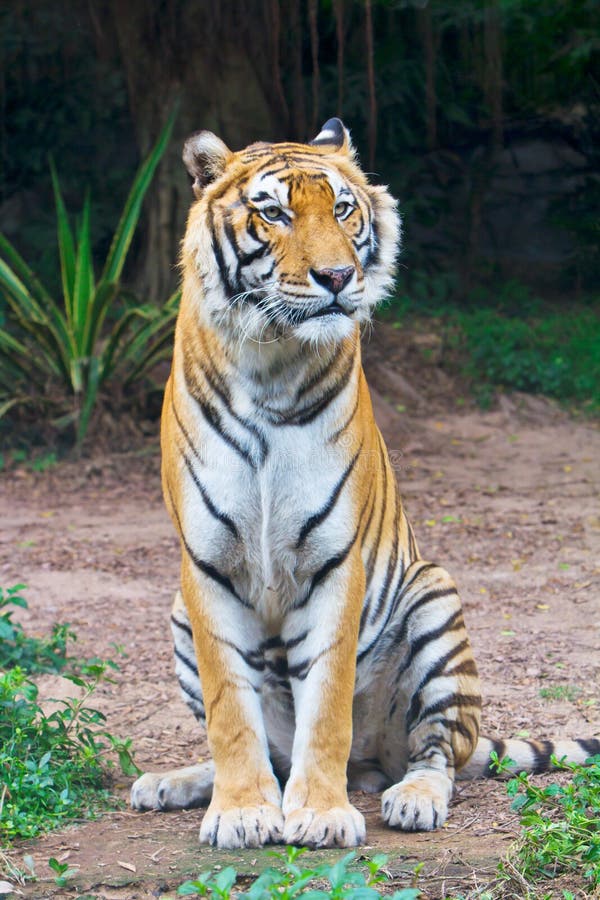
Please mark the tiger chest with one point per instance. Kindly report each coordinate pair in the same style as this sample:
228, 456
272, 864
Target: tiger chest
268, 524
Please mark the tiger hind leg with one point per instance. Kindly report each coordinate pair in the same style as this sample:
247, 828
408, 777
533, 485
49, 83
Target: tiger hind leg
434, 701
190, 786
184, 788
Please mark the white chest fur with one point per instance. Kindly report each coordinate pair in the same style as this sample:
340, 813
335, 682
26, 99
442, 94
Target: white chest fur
252, 497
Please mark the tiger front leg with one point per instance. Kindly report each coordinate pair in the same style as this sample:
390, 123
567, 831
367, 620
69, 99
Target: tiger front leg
321, 670
245, 808
437, 674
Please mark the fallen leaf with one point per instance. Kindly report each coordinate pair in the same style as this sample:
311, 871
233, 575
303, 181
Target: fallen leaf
7, 888
125, 865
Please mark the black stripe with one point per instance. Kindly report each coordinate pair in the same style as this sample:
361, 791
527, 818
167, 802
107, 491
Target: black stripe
590, 746
217, 382
374, 253
313, 521
332, 563
459, 727
446, 702
295, 642
185, 433
204, 566
428, 597
466, 667
399, 631
272, 643
230, 287
243, 259
184, 626
436, 741
216, 513
436, 671
300, 670
542, 751
391, 566
214, 420
252, 658
333, 438
454, 621
312, 410
190, 664
318, 376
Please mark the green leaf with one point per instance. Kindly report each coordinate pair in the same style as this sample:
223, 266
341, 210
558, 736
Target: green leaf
91, 392
133, 205
66, 245
83, 290
24, 272
225, 880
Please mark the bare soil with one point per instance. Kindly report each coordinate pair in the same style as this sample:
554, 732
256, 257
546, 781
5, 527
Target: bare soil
506, 500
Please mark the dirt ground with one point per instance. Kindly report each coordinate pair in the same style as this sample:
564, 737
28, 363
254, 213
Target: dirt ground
506, 500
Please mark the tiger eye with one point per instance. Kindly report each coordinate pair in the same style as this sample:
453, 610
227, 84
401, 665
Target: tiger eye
342, 209
272, 213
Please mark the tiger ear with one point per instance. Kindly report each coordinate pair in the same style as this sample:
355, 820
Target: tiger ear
205, 157
334, 134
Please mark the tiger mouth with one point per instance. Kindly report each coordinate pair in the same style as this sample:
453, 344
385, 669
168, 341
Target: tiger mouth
334, 309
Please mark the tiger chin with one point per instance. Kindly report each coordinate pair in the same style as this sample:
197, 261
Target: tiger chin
316, 645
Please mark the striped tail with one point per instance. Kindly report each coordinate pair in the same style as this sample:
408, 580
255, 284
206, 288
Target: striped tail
528, 756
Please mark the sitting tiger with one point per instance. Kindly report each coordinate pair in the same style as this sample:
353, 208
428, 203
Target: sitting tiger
318, 646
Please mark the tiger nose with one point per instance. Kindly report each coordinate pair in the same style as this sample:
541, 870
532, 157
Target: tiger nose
334, 280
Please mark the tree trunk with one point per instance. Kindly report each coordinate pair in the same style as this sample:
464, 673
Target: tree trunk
372, 129
314, 48
493, 78
201, 55
338, 11
426, 29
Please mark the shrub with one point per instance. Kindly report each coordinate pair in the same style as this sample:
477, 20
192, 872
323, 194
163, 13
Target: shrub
59, 353
53, 764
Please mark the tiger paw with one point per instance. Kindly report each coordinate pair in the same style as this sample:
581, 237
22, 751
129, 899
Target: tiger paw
417, 803
242, 826
183, 788
341, 826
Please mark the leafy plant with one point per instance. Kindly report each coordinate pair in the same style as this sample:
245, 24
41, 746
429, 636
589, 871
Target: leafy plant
19, 649
561, 825
97, 331
63, 871
53, 765
292, 881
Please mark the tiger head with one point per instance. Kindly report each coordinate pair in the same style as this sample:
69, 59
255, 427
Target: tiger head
286, 240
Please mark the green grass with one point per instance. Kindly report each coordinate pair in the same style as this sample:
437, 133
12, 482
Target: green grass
561, 692
336, 881
510, 339
53, 762
555, 353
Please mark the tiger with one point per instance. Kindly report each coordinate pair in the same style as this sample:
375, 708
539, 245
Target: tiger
319, 649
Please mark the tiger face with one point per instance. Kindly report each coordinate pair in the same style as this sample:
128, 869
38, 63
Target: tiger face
287, 241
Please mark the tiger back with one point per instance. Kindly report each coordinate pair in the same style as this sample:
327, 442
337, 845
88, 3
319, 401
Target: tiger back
312, 640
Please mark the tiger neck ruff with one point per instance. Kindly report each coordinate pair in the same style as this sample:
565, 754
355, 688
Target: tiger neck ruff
311, 639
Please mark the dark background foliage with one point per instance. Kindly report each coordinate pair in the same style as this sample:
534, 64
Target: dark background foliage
482, 115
